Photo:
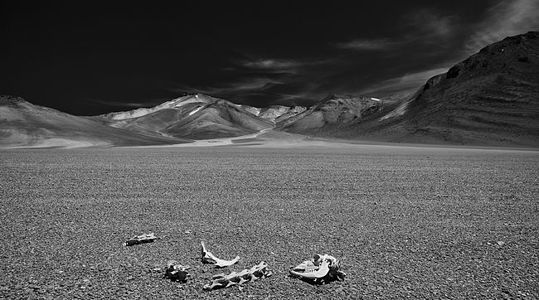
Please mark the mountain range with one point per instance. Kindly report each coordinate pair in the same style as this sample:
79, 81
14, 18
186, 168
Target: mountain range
490, 98
193, 117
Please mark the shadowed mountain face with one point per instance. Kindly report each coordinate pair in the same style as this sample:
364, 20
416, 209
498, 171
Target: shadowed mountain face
491, 98
331, 113
194, 116
23, 124
275, 113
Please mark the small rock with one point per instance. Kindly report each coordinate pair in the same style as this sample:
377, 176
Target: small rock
500, 243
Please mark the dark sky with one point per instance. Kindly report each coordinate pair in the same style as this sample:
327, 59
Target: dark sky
89, 57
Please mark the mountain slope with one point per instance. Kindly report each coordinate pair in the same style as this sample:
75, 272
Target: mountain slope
330, 113
23, 124
194, 116
276, 113
491, 98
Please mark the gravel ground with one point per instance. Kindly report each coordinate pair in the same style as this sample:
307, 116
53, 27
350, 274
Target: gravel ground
406, 222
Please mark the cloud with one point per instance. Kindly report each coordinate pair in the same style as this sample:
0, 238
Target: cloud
402, 83
423, 26
246, 85
506, 18
271, 64
429, 23
129, 104
285, 67
253, 84
367, 44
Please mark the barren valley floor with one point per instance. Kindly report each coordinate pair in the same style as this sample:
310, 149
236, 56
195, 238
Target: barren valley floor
405, 221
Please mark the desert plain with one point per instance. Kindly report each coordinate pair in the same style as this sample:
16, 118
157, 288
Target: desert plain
406, 221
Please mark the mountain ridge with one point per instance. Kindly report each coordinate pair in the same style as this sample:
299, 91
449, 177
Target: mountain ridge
23, 124
490, 98
195, 116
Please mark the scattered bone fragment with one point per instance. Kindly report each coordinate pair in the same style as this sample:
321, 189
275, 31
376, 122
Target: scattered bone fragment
177, 272
237, 278
141, 239
209, 258
320, 269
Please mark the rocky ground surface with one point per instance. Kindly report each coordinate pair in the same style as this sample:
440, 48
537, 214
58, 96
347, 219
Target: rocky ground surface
406, 222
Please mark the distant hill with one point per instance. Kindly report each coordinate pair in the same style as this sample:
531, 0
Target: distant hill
332, 112
277, 113
23, 124
491, 98
193, 116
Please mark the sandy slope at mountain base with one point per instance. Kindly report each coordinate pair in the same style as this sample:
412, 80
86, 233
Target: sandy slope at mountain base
60, 143
269, 138
20, 140
69, 144
216, 142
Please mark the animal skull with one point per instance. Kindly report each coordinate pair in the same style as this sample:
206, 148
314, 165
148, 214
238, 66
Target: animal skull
320, 269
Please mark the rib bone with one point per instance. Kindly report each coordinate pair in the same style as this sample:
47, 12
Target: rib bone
209, 258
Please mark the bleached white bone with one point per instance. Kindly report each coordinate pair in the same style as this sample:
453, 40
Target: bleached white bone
314, 273
237, 278
140, 239
209, 258
320, 268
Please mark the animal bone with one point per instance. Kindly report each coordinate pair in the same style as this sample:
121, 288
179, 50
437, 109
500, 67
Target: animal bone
176, 272
311, 271
236, 278
320, 269
140, 239
209, 258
